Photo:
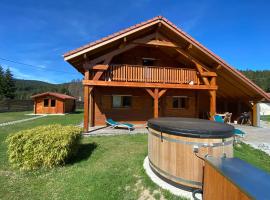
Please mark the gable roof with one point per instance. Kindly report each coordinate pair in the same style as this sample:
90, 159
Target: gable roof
69, 56
54, 94
112, 36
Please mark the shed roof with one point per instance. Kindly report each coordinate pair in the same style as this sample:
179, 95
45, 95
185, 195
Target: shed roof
55, 94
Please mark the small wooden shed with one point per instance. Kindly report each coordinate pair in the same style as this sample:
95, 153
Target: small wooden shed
53, 103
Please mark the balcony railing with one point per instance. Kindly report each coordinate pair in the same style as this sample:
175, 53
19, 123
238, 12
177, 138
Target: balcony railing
151, 74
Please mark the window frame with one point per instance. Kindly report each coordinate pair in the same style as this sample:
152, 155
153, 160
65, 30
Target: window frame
180, 100
153, 60
46, 106
54, 103
122, 101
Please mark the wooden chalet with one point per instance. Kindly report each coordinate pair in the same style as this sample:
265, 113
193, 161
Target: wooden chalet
53, 103
155, 69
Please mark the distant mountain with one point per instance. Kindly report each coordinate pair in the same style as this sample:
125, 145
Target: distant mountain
27, 88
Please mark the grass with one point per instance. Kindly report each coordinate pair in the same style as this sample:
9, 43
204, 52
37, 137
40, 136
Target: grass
253, 156
12, 116
265, 118
106, 168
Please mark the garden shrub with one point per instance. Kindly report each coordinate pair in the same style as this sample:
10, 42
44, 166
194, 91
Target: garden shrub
43, 146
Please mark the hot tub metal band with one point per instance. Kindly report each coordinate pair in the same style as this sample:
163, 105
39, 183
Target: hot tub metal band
199, 144
175, 178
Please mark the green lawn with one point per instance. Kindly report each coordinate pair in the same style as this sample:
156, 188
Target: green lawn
106, 168
12, 116
265, 118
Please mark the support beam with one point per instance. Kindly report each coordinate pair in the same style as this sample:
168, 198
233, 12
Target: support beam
148, 85
98, 75
213, 81
160, 94
150, 92
255, 114
212, 104
107, 57
86, 108
91, 107
86, 89
156, 95
200, 70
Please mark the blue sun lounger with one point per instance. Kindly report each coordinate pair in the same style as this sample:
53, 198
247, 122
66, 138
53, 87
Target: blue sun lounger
218, 118
115, 124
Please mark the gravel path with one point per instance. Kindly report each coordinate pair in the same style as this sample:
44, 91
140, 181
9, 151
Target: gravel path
21, 121
108, 131
257, 137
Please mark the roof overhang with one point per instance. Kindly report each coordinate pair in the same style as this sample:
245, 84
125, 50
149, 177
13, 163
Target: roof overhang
159, 21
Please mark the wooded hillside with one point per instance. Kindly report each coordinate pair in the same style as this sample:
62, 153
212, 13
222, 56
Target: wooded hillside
26, 88
261, 78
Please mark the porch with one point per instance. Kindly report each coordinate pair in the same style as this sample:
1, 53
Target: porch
147, 85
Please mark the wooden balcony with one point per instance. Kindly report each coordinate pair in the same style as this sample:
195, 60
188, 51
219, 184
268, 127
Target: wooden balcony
151, 74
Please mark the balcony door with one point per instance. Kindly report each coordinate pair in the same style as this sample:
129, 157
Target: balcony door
147, 62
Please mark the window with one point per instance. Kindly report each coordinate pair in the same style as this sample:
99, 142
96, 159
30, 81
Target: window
121, 101
46, 102
52, 102
148, 61
179, 102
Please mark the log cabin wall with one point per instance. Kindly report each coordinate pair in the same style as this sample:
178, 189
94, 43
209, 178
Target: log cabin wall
169, 46
135, 57
140, 111
69, 105
61, 105
41, 109
141, 105
167, 109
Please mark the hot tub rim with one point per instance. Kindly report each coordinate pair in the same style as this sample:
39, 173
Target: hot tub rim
191, 132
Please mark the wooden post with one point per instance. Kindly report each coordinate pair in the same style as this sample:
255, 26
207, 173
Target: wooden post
212, 104
156, 103
255, 114
86, 103
91, 107
156, 95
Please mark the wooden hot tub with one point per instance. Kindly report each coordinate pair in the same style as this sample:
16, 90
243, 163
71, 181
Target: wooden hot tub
172, 142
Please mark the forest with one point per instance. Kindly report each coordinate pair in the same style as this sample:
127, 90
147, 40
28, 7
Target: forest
11, 88
260, 77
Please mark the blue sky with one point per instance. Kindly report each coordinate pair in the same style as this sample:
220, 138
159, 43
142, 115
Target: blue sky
39, 32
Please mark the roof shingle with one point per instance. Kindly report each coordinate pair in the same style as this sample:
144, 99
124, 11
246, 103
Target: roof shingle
55, 94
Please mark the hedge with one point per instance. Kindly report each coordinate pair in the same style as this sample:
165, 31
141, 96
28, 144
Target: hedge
43, 146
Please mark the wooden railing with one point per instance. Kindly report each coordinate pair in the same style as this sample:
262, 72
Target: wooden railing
151, 74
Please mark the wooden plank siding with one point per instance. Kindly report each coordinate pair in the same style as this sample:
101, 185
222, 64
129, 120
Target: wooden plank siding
142, 105
178, 63
150, 74
61, 106
219, 187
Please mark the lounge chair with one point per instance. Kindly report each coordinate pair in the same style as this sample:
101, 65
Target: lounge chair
115, 124
237, 132
218, 118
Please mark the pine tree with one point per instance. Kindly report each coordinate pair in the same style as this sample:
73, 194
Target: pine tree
1, 82
9, 85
